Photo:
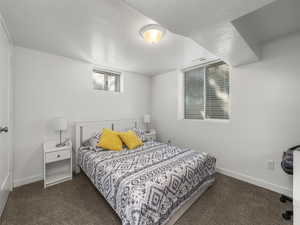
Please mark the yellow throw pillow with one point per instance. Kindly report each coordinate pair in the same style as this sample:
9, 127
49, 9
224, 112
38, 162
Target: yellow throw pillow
110, 140
130, 139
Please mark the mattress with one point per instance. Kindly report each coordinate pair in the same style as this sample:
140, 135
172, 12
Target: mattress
150, 184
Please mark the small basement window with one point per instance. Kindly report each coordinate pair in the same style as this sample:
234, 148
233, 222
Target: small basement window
106, 80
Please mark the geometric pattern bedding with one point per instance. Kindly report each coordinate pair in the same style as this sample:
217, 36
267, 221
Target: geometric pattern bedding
149, 184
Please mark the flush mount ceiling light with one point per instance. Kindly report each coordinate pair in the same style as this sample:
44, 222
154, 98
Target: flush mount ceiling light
152, 33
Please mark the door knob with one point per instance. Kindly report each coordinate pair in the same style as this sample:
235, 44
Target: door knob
3, 130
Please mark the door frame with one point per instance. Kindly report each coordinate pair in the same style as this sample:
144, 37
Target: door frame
10, 102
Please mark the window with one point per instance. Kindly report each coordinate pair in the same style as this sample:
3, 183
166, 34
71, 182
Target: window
107, 81
206, 92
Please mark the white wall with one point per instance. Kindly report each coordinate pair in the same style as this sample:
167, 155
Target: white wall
265, 105
5, 114
47, 86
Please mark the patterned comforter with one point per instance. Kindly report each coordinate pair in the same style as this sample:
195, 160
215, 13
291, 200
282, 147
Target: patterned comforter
149, 184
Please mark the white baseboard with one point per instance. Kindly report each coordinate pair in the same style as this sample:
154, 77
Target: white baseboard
4, 192
27, 180
255, 181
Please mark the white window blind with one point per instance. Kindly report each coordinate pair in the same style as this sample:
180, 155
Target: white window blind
217, 91
207, 92
194, 94
107, 81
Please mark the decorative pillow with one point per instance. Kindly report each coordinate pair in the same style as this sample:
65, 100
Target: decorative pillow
130, 139
110, 140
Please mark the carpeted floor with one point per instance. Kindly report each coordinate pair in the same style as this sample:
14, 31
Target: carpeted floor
77, 202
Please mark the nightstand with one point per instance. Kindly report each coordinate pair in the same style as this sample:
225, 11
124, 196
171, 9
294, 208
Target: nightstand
150, 136
57, 163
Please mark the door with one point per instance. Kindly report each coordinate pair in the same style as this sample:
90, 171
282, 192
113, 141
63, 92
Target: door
5, 95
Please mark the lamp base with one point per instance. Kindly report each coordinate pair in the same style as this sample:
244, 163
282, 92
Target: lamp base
61, 144
147, 128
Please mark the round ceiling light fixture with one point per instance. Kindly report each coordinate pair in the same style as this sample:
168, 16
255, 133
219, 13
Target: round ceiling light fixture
152, 33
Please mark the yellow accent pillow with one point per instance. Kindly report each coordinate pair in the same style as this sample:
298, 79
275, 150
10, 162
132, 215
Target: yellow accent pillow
110, 140
130, 139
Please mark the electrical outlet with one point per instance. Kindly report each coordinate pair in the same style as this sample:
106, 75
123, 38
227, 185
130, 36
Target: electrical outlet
271, 164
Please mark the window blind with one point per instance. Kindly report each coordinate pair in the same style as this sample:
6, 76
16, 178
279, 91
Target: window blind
194, 94
217, 91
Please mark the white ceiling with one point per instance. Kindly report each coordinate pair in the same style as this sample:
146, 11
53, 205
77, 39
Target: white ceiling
208, 22
272, 21
189, 16
102, 32
105, 32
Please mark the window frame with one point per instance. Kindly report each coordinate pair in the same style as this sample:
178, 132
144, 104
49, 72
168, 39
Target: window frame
106, 74
181, 115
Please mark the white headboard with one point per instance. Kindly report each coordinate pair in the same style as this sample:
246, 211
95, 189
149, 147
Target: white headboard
85, 130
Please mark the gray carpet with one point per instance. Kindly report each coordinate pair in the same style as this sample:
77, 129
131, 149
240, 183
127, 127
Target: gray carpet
77, 202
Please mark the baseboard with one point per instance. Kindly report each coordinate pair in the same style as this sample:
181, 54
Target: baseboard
27, 180
4, 192
256, 181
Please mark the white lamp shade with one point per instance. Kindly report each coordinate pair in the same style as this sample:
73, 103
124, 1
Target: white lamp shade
147, 118
60, 124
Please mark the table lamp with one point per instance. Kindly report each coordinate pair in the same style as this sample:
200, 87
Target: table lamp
60, 124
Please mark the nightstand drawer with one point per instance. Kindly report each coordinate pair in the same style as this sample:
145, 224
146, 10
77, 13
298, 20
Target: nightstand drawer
57, 156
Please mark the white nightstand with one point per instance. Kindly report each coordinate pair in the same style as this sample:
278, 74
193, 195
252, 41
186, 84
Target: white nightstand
150, 136
57, 163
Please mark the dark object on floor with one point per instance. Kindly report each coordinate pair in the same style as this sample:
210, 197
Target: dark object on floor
287, 166
288, 213
77, 202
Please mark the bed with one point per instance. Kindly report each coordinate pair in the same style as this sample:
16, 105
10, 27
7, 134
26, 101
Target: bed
153, 184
